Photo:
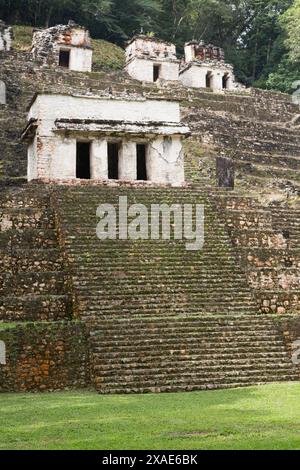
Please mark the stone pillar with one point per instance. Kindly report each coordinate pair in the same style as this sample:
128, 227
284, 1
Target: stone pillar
217, 80
2, 93
128, 161
99, 160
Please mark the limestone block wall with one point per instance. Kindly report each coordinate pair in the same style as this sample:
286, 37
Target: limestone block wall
52, 154
289, 327
46, 46
194, 76
44, 357
146, 46
6, 37
81, 59
142, 69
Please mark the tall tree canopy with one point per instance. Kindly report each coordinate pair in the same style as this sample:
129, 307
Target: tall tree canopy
261, 37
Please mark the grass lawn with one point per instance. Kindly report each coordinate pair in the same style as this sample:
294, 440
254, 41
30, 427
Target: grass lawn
266, 417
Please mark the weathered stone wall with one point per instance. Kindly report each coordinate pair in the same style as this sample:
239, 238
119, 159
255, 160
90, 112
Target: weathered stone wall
6, 37
194, 75
63, 120
44, 357
289, 327
33, 283
142, 69
47, 43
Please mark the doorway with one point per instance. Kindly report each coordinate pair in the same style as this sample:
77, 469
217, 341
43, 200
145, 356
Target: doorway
156, 72
64, 58
209, 79
225, 81
113, 160
83, 161
141, 153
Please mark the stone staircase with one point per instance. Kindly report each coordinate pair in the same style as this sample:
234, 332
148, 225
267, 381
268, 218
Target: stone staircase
187, 354
266, 241
162, 318
147, 277
33, 284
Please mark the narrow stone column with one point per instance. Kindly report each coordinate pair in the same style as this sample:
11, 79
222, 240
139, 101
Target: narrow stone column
128, 161
99, 160
2, 92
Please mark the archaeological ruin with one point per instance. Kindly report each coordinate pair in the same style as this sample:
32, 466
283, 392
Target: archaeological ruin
105, 139
6, 37
142, 315
67, 46
204, 67
149, 59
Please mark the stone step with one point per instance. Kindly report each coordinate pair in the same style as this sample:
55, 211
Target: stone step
18, 261
33, 307
190, 385
50, 283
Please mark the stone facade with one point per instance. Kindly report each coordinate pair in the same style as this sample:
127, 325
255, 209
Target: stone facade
40, 357
204, 67
60, 125
68, 46
6, 37
150, 59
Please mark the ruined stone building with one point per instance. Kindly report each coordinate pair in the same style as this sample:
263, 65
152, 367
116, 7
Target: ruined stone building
67, 46
204, 67
149, 59
144, 315
94, 138
6, 37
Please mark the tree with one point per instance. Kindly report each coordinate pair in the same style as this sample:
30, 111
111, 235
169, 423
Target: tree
291, 24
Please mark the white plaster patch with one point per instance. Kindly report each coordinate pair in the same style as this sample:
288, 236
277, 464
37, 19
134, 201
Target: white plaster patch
5, 223
2, 92
2, 353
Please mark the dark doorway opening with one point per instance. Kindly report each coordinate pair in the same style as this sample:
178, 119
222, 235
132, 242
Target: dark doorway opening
225, 172
156, 72
83, 161
209, 78
64, 58
225, 81
141, 152
113, 161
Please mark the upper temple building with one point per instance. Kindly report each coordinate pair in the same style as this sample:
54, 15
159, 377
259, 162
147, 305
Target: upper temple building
205, 67
72, 137
150, 59
67, 46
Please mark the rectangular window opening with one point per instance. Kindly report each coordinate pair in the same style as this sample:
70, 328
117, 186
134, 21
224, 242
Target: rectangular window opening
209, 77
64, 58
83, 161
141, 151
225, 81
113, 161
156, 72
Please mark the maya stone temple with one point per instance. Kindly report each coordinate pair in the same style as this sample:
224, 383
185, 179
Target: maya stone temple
204, 67
144, 315
66, 46
105, 139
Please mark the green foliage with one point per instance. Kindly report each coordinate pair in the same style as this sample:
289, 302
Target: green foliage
22, 37
291, 23
260, 37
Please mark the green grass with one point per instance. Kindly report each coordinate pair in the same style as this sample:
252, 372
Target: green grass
266, 417
106, 54
22, 38
7, 326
